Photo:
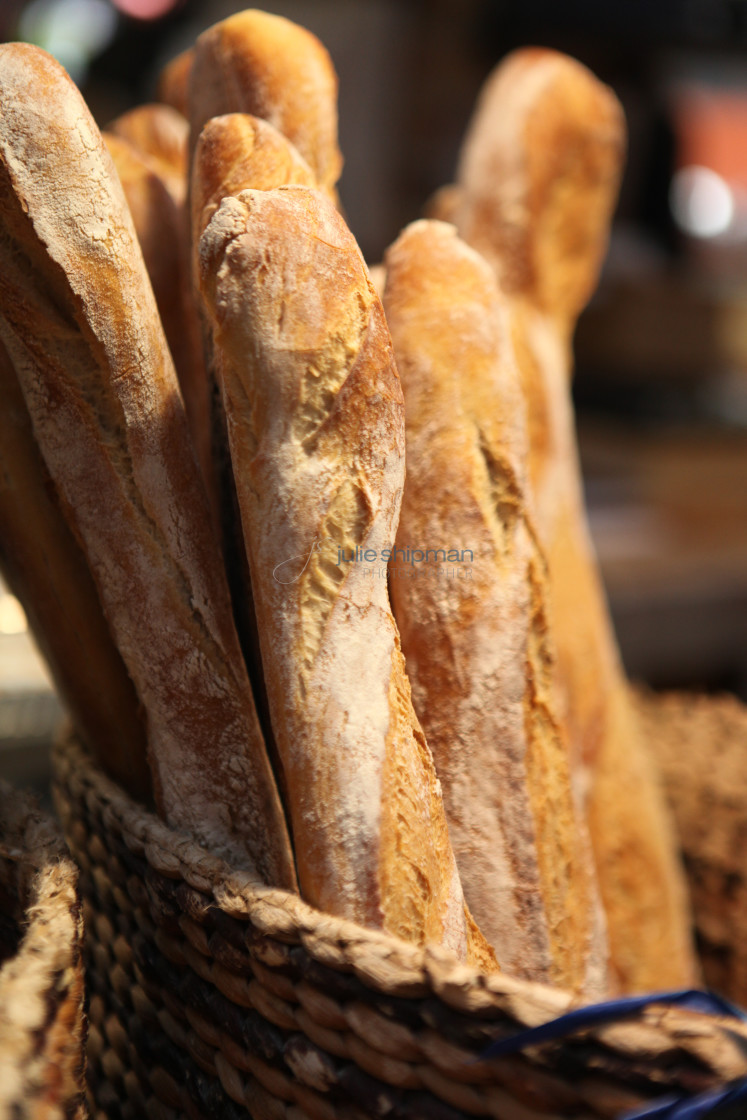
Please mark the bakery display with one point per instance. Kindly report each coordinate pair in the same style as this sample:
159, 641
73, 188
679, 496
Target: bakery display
235, 438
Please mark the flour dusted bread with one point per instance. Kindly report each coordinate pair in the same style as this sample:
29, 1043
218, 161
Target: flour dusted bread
45, 569
265, 65
470, 597
79, 320
237, 152
536, 188
316, 425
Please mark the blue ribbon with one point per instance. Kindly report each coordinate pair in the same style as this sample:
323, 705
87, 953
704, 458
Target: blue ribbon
666, 1108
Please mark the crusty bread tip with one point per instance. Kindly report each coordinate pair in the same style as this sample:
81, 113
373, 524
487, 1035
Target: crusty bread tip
263, 64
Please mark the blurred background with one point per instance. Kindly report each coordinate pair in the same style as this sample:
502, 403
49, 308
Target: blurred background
661, 352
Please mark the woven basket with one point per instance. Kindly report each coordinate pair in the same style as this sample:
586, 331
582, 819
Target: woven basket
42, 1024
700, 743
211, 997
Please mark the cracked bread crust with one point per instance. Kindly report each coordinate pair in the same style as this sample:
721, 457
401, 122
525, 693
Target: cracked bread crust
237, 152
480, 650
316, 427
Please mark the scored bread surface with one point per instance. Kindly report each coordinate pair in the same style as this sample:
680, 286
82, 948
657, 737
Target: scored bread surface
470, 596
237, 152
316, 427
233, 153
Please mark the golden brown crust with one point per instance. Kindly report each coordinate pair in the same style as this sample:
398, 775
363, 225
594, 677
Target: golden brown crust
475, 632
263, 64
82, 329
161, 135
161, 227
173, 82
538, 178
634, 846
48, 573
237, 152
443, 203
315, 419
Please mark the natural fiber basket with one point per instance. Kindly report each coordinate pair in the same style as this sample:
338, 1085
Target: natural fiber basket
211, 997
42, 1023
700, 744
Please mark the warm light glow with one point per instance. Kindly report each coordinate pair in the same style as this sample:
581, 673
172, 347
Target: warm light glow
73, 31
12, 618
702, 202
145, 9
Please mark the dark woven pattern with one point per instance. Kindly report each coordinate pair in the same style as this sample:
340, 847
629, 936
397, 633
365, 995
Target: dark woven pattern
214, 998
42, 1023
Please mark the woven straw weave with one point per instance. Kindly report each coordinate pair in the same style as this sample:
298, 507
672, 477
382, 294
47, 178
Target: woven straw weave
42, 1024
700, 744
212, 997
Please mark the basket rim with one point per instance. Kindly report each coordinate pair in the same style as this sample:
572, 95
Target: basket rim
387, 961
386, 964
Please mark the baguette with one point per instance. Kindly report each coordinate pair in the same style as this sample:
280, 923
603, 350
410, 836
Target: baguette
161, 136
316, 428
45, 569
537, 184
263, 64
173, 81
236, 152
475, 631
80, 323
161, 226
